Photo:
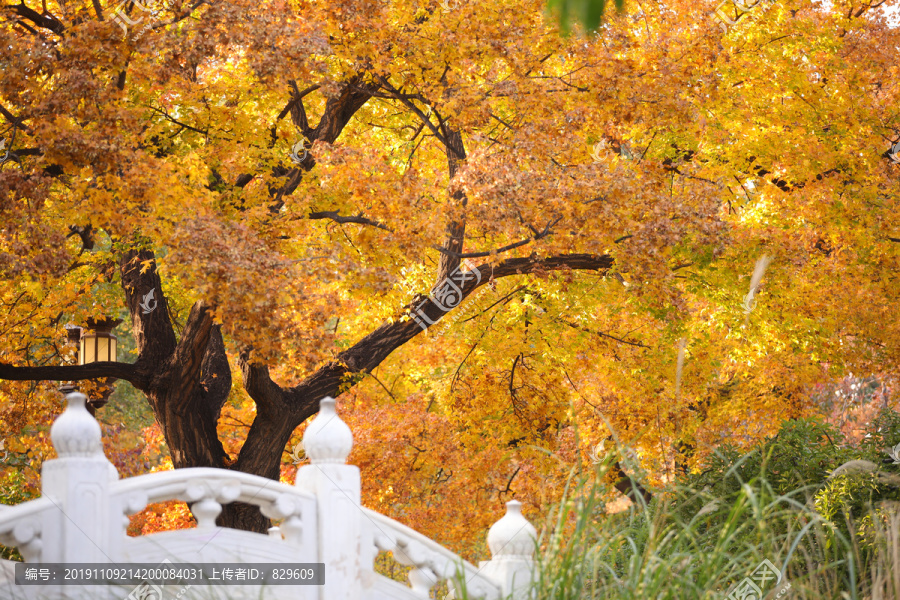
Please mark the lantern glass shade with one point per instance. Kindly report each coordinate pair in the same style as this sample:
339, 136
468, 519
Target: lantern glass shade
97, 346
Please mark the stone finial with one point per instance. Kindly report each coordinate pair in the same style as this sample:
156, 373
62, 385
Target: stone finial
76, 432
327, 439
512, 536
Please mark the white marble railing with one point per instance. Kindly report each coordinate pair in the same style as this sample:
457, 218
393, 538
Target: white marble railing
82, 517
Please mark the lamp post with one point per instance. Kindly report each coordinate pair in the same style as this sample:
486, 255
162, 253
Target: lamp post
96, 343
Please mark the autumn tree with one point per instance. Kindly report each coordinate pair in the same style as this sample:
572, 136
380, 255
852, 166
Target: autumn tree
296, 183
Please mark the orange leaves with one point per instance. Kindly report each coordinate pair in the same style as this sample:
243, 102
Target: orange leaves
681, 154
248, 283
418, 467
163, 516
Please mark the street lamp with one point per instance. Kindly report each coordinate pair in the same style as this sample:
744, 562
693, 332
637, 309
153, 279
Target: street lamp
96, 343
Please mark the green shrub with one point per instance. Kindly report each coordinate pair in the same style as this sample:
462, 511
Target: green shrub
833, 537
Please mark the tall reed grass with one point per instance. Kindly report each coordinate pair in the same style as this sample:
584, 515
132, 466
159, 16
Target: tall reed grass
688, 545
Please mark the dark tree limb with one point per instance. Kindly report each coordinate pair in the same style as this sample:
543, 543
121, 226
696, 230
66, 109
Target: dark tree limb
338, 112
537, 236
16, 121
298, 111
281, 410
184, 409
215, 374
268, 435
152, 330
337, 218
184, 365
267, 395
340, 374
131, 373
456, 230
630, 486
45, 21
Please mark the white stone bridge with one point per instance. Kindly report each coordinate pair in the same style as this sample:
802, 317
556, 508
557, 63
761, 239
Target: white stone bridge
82, 517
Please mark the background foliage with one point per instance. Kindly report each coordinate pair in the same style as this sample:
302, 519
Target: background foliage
681, 153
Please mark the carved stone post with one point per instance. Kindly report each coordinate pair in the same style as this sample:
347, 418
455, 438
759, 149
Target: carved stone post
512, 541
78, 484
328, 442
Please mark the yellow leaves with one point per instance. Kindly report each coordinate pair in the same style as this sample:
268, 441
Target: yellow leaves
162, 516
688, 121
146, 265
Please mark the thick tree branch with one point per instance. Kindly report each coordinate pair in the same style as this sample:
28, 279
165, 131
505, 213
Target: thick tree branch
16, 121
190, 352
456, 230
185, 410
46, 21
513, 246
338, 112
215, 374
337, 218
335, 377
271, 428
150, 318
629, 486
298, 112
132, 373
268, 396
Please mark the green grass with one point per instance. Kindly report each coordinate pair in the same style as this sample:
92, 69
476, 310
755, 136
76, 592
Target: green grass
662, 551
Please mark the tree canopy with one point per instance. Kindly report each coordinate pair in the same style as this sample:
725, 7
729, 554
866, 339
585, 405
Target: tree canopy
292, 179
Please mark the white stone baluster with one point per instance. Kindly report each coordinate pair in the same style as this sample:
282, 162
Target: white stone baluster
27, 536
328, 442
207, 497
421, 580
206, 511
512, 541
78, 484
